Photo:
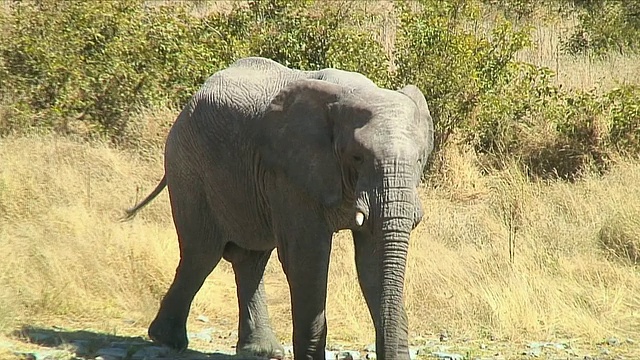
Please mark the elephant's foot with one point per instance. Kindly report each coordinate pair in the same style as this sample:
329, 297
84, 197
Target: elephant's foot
169, 332
262, 343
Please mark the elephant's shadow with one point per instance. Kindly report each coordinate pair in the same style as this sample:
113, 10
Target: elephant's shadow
84, 344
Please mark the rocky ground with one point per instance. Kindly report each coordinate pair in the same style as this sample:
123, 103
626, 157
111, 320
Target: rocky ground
209, 342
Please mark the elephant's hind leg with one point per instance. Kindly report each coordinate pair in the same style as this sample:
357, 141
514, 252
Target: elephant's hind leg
201, 248
255, 335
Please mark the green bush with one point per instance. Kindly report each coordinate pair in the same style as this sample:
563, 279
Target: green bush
605, 26
311, 36
623, 108
100, 63
554, 133
436, 51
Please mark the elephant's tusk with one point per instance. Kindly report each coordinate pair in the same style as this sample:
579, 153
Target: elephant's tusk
359, 218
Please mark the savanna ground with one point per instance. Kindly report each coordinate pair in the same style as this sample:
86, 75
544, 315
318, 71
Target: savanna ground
497, 262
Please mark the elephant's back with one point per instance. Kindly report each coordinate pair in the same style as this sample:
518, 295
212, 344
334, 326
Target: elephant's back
244, 90
241, 93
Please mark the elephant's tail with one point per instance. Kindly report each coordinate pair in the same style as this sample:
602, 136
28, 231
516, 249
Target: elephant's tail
131, 212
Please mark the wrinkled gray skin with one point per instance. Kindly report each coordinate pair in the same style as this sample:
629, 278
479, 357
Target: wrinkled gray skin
267, 157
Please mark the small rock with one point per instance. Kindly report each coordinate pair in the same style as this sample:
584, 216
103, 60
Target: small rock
203, 318
112, 353
348, 355
483, 346
613, 341
536, 344
80, 347
204, 335
106, 357
42, 355
150, 352
604, 351
370, 347
630, 341
446, 356
126, 344
330, 355
370, 356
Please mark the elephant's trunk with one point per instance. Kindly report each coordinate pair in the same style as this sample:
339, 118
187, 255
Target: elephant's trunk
392, 325
395, 206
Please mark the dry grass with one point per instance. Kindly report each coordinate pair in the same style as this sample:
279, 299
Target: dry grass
619, 236
66, 256
578, 72
572, 271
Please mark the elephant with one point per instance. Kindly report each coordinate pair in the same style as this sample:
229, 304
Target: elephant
264, 156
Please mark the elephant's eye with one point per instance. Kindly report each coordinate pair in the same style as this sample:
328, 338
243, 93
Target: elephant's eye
358, 159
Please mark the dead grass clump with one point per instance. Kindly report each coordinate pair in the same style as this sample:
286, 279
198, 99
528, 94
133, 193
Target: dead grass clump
567, 160
619, 237
458, 170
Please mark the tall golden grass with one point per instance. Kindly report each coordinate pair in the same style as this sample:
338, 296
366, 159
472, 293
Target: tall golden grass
65, 255
577, 72
495, 255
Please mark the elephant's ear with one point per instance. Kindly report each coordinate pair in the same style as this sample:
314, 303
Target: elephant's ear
418, 98
296, 137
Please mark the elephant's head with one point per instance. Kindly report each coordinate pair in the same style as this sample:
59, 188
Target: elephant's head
365, 148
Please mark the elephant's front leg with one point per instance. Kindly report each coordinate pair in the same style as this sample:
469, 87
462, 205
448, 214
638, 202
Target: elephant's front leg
305, 260
370, 278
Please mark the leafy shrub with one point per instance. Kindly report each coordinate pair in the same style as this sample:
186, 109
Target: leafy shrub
623, 107
302, 36
554, 133
605, 26
99, 62
453, 66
